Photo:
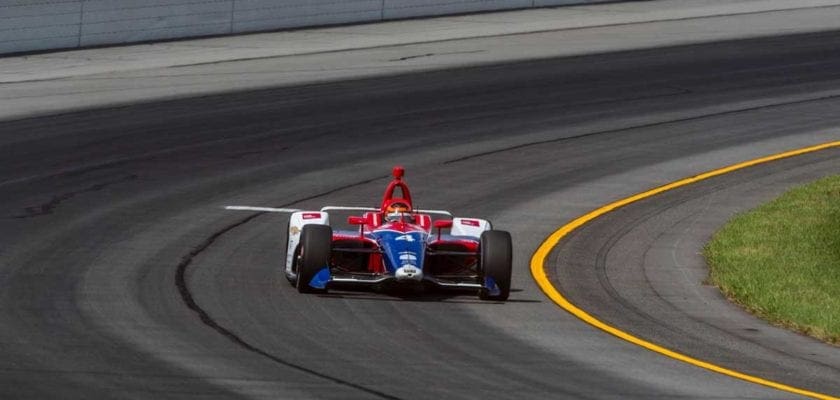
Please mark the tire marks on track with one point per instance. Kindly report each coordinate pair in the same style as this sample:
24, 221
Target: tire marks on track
207, 319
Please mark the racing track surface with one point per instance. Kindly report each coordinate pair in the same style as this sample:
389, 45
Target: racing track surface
122, 277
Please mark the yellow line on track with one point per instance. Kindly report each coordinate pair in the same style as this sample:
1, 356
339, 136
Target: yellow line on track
541, 277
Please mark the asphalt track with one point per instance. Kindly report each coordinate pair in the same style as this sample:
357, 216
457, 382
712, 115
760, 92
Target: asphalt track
122, 277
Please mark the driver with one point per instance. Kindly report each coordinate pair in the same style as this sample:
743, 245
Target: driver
398, 211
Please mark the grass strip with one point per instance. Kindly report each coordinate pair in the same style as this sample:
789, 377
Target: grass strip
781, 261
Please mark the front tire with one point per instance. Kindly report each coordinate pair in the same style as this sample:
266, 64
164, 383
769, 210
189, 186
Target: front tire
315, 248
496, 262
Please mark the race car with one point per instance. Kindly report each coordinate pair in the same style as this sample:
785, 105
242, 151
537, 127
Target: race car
397, 245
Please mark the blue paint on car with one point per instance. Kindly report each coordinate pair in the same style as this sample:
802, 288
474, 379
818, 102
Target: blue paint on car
491, 287
319, 281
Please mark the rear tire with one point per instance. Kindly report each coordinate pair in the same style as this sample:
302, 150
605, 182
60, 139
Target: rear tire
496, 262
315, 248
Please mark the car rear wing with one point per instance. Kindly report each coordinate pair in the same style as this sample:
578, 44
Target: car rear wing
342, 208
328, 208
263, 209
438, 212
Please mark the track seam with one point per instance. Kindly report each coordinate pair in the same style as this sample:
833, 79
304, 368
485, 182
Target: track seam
206, 319
643, 126
540, 275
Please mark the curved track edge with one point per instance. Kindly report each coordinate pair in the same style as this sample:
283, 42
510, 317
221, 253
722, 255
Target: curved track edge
540, 275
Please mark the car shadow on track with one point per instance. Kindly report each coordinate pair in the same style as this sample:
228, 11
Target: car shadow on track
440, 296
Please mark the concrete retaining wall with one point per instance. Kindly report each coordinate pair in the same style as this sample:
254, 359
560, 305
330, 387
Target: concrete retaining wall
28, 25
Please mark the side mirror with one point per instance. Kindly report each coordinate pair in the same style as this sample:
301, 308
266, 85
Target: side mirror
442, 223
361, 221
356, 220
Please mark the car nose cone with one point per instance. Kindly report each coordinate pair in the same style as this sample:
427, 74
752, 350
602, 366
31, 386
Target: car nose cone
409, 273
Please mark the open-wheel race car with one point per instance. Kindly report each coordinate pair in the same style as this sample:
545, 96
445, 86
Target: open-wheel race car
396, 244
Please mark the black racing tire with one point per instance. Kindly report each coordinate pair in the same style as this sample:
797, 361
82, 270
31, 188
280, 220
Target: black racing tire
315, 248
496, 262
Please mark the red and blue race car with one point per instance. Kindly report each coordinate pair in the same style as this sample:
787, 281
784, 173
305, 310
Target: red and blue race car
396, 245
